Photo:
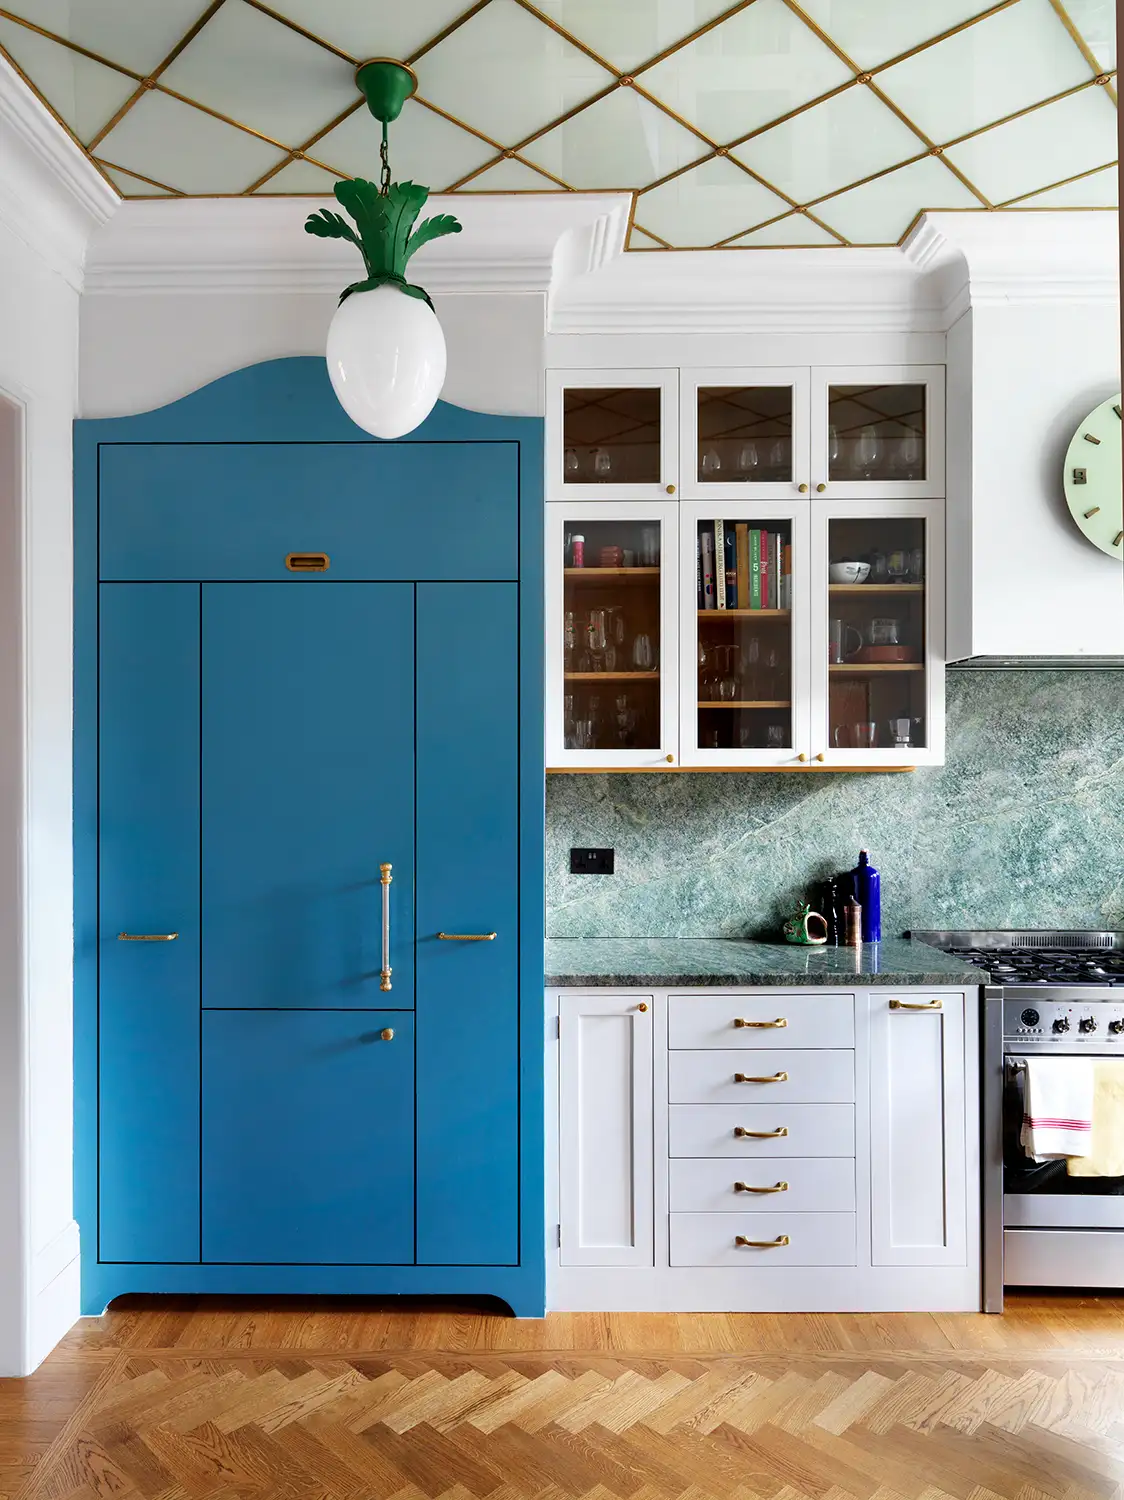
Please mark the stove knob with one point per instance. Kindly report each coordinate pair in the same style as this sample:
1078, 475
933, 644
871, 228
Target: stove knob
1087, 1024
1061, 1024
1116, 1027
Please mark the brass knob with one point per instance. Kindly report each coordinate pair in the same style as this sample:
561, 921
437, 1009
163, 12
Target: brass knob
802, 757
642, 1006
670, 759
387, 1034
821, 757
803, 488
820, 488
671, 489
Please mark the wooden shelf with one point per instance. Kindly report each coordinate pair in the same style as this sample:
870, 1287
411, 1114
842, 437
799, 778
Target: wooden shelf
876, 588
615, 576
747, 703
611, 676
868, 668
744, 614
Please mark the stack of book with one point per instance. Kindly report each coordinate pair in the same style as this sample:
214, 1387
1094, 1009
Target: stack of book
743, 567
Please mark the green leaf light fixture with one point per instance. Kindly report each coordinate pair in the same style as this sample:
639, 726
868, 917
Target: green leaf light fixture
386, 350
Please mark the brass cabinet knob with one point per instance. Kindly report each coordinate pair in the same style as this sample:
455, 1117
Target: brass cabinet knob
802, 757
803, 488
387, 1033
642, 1006
821, 757
670, 489
670, 759
820, 488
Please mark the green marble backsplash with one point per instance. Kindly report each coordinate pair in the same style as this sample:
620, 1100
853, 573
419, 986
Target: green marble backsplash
1023, 826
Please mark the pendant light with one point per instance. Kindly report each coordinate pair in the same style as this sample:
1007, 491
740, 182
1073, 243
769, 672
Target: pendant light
386, 350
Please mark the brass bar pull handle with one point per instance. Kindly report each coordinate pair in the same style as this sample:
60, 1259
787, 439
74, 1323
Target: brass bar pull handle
467, 937
744, 1187
760, 1135
781, 1239
750, 1078
385, 877
761, 1025
147, 937
916, 1004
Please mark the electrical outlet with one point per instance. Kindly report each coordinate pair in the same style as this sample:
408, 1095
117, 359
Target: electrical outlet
591, 861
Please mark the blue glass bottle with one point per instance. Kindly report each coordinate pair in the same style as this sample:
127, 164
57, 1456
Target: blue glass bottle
869, 896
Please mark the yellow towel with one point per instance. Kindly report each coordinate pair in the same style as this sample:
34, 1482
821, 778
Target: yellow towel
1106, 1152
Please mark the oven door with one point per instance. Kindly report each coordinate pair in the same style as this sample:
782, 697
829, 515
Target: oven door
1042, 1195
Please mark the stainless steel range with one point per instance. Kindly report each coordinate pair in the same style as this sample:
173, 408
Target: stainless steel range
1059, 994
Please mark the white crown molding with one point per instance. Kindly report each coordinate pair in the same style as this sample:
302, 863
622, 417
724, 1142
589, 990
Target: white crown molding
51, 197
508, 244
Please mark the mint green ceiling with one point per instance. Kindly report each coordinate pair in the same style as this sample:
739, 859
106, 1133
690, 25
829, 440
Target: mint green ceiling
761, 123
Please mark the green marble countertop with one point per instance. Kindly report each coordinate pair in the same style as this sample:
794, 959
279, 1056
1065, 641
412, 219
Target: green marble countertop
665, 962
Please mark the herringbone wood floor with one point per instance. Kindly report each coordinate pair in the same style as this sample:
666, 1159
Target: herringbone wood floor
180, 1399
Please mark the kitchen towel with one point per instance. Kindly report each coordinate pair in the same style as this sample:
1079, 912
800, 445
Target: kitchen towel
1106, 1149
1057, 1107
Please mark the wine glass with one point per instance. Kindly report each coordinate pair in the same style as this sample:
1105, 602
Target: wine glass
868, 451
834, 450
602, 463
643, 653
570, 462
749, 460
728, 676
910, 454
597, 637
615, 634
778, 458
711, 462
569, 639
751, 667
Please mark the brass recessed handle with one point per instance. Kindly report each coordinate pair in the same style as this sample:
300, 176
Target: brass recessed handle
916, 1004
781, 1239
820, 488
760, 1135
387, 1034
147, 937
760, 1025
803, 488
467, 937
385, 877
751, 1078
642, 1006
744, 1187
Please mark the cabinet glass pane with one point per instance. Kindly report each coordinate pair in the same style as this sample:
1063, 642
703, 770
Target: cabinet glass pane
611, 436
611, 635
876, 432
876, 634
744, 610
745, 434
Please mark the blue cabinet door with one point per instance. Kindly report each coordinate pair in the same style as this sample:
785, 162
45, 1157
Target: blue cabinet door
468, 886
307, 788
148, 888
308, 1150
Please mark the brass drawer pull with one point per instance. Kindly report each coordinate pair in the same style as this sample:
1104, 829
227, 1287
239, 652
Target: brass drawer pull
744, 1187
760, 1135
386, 1034
761, 1025
781, 1239
916, 1005
750, 1078
147, 937
467, 937
385, 877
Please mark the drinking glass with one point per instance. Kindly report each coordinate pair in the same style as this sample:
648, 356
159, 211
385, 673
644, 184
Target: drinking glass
595, 722
569, 639
597, 637
625, 718
751, 668
728, 680
868, 451
910, 455
602, 463
834, 448
885, 633
616, 632
749, 460
649, 546
863, 736
570, 461
917, 565
775, 737
778, 457
643, 653
568, 721
711, 461
898, 566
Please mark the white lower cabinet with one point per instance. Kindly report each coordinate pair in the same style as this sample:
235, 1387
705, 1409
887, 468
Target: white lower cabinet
777, 1151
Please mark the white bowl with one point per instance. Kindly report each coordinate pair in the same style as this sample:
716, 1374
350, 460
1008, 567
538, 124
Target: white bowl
848, 572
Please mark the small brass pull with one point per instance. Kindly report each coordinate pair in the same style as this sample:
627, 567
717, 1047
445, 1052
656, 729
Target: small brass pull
670, 759
803, 488
802, 757
820, 488
744, 1187
385, 877
781, 1239
821, 757
642, 1006
760, 1135
308, 562
750, 1078
916, 1004
387, 1034
670, 489
467, 937
760, 1025
147, 937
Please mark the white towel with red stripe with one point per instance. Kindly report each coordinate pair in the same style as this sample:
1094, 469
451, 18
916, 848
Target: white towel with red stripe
1057, 1107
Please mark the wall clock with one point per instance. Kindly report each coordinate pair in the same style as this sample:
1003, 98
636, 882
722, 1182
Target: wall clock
1093, 478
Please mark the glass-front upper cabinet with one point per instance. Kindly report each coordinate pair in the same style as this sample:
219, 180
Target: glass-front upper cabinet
878, 631
612, 434
745, 432
744, 644
877, 428
611, 636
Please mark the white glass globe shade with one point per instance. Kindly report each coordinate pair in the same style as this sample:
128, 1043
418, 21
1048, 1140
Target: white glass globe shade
386, 360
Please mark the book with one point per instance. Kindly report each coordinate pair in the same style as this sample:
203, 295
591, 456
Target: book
733, 596
741, 531
765, 535
787, 567
706, 541
755, 568
719, 565
700, 597
775, 544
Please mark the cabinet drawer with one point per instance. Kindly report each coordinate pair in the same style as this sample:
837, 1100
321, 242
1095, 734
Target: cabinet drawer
811, 1076
824, 1184
712, 1240
786, 1130
758, 1020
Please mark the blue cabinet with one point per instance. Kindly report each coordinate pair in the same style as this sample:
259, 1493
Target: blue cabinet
258, 1108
